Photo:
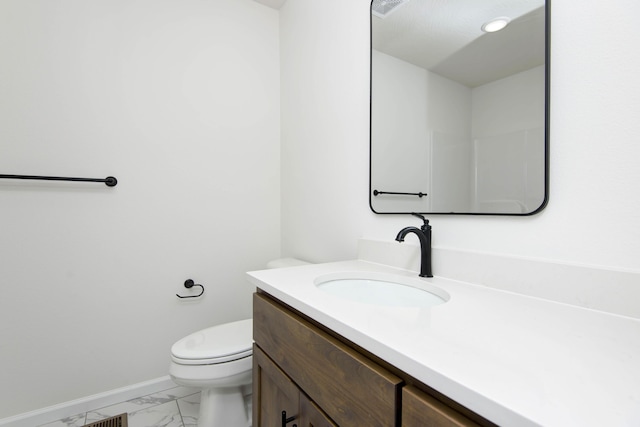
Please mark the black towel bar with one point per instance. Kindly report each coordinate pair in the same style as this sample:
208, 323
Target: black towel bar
110, 181
376, 192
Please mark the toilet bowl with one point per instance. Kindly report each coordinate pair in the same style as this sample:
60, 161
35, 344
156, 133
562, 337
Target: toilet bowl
219, 360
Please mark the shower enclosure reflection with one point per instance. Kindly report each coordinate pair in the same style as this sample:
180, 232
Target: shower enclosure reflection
458, 113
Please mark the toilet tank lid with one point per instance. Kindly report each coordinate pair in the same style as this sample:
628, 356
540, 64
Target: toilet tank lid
216, 342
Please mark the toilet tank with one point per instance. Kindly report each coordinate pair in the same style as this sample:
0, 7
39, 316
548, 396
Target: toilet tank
285, 262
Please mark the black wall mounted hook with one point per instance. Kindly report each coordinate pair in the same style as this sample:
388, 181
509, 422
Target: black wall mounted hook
190, 284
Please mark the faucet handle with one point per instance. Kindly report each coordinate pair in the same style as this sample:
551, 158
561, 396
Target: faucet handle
425, 225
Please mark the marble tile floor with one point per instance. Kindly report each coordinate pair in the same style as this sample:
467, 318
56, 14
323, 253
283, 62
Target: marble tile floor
175, 407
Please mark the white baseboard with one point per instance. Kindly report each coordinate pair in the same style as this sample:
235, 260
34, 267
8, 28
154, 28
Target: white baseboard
88, 403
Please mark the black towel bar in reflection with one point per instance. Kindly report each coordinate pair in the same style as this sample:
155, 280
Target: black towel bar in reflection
110, 181
376, 192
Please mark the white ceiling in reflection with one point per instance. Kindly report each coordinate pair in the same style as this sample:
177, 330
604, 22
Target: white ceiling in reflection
445, 36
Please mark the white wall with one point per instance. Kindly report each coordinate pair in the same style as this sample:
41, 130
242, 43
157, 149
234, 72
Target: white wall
418, 116
508, 135
325, 127
592, 217
179, 99
449, 122
398, 127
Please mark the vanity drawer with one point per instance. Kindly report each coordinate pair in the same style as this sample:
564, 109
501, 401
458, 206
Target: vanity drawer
419, 409
351, 389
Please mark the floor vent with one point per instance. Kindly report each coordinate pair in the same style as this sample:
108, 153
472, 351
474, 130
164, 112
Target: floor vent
117, 421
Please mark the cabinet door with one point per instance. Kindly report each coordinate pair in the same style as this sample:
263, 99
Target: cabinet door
273, 392
419, 410
312, 416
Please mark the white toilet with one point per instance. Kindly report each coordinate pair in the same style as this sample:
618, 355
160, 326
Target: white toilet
219, 361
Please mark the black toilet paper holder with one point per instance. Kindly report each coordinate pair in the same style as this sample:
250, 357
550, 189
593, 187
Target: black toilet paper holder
190, 284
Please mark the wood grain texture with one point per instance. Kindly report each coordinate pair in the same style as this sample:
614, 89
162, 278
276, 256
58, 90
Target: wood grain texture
312, 416
273, 392
420, 410
350, 389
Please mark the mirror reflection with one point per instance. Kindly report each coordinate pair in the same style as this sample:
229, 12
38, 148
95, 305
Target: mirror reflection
458, 111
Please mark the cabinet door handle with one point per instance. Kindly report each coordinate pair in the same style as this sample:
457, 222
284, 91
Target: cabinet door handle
286, 420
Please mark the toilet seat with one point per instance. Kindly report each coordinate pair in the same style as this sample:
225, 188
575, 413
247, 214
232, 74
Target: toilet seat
217, 344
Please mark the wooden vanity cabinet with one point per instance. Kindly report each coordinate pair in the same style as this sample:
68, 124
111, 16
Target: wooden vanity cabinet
312, 416
274, 392
343, 384
420, 410
321, 381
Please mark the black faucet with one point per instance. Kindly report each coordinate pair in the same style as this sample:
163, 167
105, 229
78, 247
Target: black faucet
424, 235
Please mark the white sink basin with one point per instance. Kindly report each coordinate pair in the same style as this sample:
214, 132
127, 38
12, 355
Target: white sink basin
383, 290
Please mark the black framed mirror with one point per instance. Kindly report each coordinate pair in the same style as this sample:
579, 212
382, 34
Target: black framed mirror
459, 112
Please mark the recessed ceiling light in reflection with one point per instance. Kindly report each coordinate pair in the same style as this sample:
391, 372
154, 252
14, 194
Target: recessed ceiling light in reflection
496, 24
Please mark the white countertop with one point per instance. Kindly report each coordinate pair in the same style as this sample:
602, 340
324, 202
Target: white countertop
513, 359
